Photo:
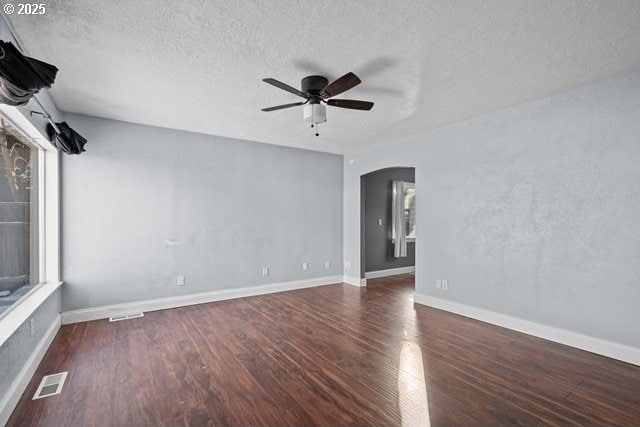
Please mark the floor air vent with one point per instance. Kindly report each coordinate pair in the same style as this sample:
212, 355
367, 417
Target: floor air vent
125, 317
50, 385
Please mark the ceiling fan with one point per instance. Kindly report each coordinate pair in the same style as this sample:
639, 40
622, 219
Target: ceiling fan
317, 90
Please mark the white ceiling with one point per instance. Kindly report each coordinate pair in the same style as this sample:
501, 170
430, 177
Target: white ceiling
198, 65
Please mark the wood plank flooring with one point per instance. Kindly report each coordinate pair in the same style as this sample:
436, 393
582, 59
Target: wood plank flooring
331, 355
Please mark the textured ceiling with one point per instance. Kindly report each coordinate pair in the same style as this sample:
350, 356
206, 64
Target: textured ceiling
198, 65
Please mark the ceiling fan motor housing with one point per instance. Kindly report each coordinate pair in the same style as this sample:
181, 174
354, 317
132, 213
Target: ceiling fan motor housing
313, 85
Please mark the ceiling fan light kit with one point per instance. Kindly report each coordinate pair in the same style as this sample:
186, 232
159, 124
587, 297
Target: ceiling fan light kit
315, 113
317, 90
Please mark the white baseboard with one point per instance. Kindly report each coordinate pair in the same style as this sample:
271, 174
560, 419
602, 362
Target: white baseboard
104, 312
389, 272
574, 339
354, 281
20, 383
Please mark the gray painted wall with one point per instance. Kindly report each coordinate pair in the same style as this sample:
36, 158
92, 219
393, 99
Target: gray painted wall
146, 204
376, 238
18, 348
532, 211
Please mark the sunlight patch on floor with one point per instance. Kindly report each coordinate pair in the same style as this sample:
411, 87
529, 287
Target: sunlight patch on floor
412, 388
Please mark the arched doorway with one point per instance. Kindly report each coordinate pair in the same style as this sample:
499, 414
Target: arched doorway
387, 222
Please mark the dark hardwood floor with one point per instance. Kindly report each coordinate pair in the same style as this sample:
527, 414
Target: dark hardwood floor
331, 355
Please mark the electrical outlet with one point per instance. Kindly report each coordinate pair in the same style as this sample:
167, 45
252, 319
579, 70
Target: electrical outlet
327, 265
380, 221
32, 327
445, 285
347, 264
305, 266
438, 284
181, 281
265, 271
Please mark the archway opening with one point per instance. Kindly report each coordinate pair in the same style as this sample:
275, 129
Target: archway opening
388, 225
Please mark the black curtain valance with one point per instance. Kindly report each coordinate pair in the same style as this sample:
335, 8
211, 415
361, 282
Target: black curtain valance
22, 77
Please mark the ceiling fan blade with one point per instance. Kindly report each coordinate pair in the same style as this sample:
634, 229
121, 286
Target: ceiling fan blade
284, 86
352, 104
280, 107
343, 84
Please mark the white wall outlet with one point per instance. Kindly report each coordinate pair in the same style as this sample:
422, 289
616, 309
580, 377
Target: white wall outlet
445, 285
265, 271
32, 327
438, 283
347, 264
327, 265
305, 266
380, 221
181, 281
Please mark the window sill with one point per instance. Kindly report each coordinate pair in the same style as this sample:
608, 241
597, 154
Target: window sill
409, 240
24, 308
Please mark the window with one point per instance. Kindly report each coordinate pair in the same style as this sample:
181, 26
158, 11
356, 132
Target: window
409, 203
410, 209
19, 211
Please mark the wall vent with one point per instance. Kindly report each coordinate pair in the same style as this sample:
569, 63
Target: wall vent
50, 385
125, 317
